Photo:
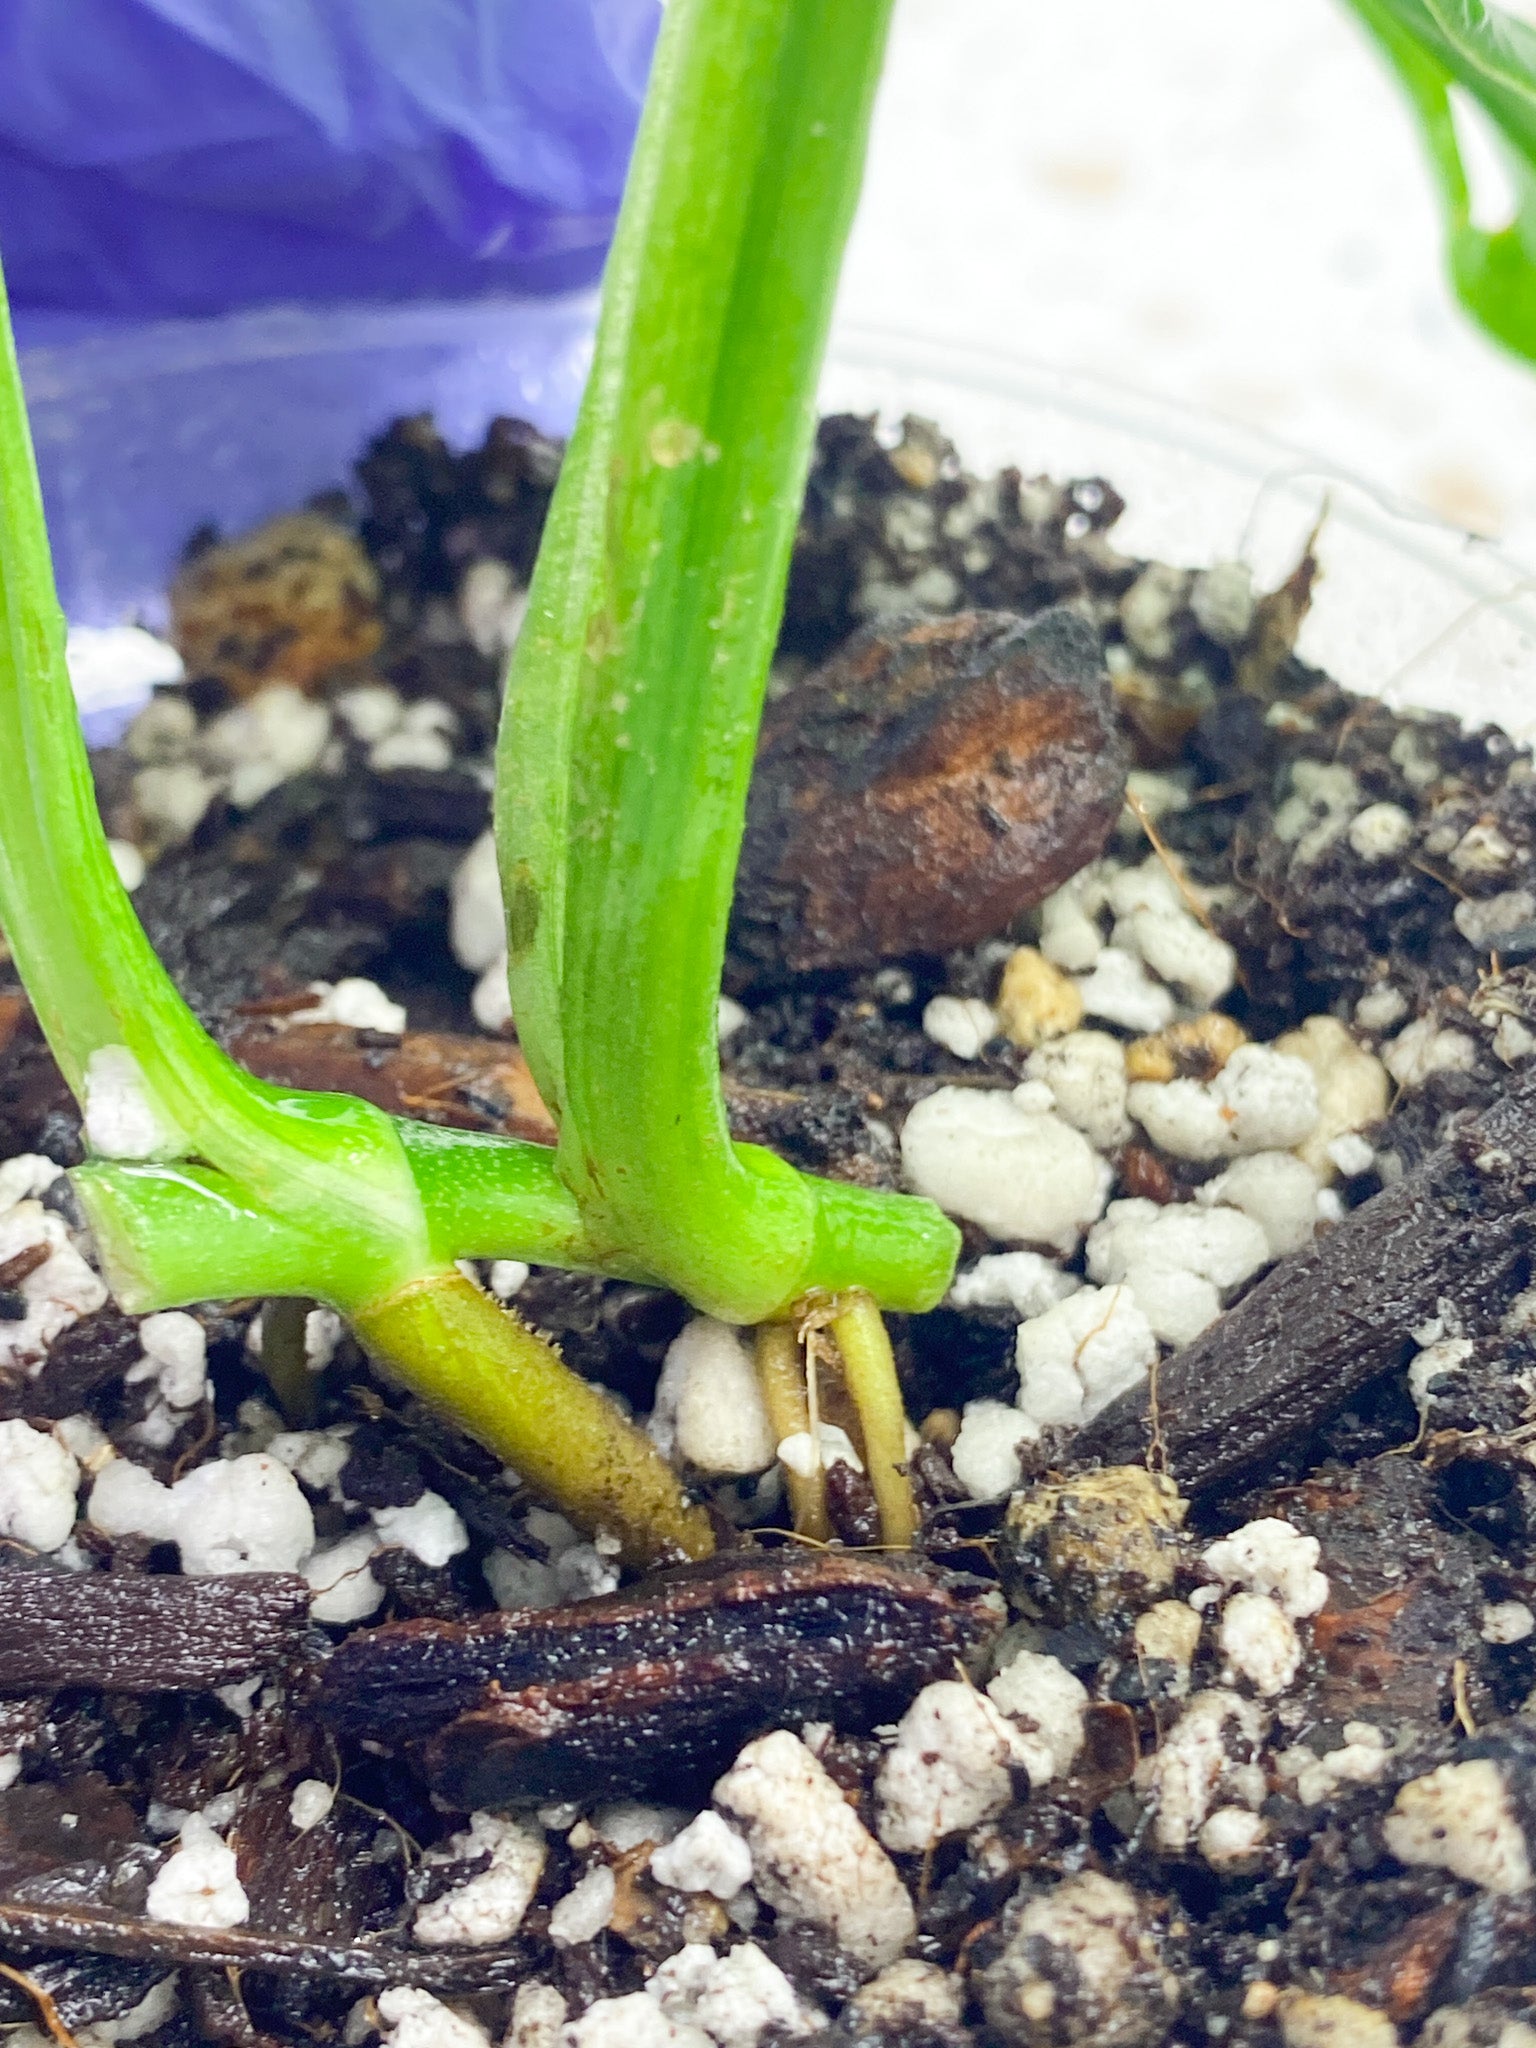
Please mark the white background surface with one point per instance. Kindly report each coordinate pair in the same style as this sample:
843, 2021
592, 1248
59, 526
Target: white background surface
1218, 201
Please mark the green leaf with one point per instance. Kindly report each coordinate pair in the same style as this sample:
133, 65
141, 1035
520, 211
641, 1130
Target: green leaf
637, 684
1434, 46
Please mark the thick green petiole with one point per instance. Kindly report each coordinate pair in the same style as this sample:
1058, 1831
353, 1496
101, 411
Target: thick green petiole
221, 1185
636, 687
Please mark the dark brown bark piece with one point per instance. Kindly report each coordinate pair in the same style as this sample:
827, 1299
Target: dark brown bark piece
142, 1632
661, 1683
934, 779
1334, 1315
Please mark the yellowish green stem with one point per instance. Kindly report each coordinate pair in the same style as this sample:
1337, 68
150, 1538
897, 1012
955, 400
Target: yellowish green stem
869, 1371
466, 1355
782, 1380
283, 1358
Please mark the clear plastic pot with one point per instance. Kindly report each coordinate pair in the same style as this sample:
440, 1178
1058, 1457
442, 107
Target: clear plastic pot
145, 435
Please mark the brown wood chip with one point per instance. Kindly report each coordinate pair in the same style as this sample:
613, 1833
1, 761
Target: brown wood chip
143, 1632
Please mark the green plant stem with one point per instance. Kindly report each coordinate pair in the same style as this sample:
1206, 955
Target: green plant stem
284, 1359
1433, 47
869, 1371
637, 683
781, 1381
461, 1352
236, 1187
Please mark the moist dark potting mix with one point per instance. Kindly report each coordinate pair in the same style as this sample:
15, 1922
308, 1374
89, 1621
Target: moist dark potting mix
1193, 987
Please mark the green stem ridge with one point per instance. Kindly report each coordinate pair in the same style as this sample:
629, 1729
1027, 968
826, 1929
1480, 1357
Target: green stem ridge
636, 687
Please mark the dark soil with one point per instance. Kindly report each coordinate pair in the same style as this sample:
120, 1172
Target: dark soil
1424, 1512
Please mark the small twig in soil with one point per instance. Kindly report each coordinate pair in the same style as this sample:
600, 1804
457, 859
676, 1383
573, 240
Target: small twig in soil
47, 2011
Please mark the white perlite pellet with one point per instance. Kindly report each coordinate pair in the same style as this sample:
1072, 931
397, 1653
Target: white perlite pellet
575, 1569
122, 1119
115, 665
1261, 1101
415, 2019
56, 1293
1506, 1621
1460, 1818
985, 1456
1259, 1642
1179, 950
428, 1527
1008, 1164
1079, 1355
488, 1908
1085, 1072
492, 606
812, 1856
1230, 1836
963, 1025
1222, 600
586, 1908
1026, 1282
1215, 1243
950, 1767
908, 1998
1423, 1048
38, 1480
1277, 1191
197, 1886
175, 1357
231, 1515
1353, 1087
273, 735
706, 1856
1046, 1703
312, 1800
709, 1408
342, 1588
1084, 1938
1198, 1758
1360, 1759
634, 2021
1380, 831
538, 2017
354, 1001
1119, 990
1325, 797
369, 711
477, 929
736, 1998
1271, 1556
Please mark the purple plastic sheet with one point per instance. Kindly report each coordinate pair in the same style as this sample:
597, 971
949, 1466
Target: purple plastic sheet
240, 236
164, 158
